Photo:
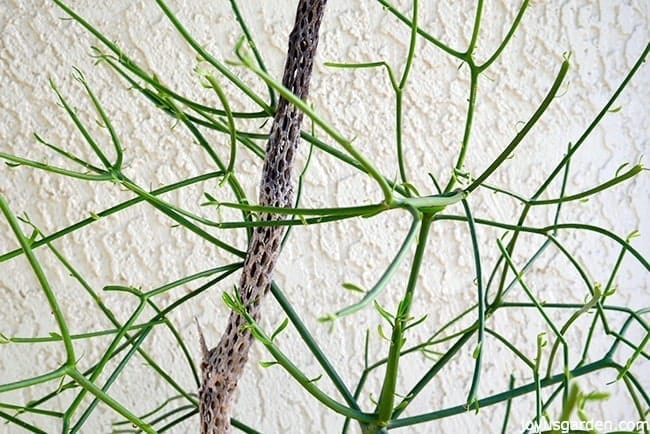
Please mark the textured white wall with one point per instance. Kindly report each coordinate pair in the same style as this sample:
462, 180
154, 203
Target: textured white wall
139, 247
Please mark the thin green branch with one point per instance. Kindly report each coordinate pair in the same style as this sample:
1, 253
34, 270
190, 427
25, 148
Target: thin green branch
81, 127
110, 211
119, 156
601, 114
201, 51
372, 294
313, 346
21, 423
390, 8
252, 45
25, 245
507, 38
19, 161
525, 129
501, 397
70, 156
119, 408
480, 320
633, 171
475, 31
385, 408
214, 84
307, 383
547, 230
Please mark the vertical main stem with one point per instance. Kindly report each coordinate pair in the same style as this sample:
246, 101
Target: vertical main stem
387, 397
223, 365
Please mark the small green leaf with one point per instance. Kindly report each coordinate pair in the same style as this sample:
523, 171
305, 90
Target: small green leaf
597, 396
32, 236
225, 178
281, 327
352, 287
620, 168
330, 317
211, 200
410, 187
315, 379
615, 109
582, 415
60, 386
402, 310
268, 364
634, 234
473, 404
383, 312
610, 291
10, 164
230, 301
380, 331
416, 322
477, 350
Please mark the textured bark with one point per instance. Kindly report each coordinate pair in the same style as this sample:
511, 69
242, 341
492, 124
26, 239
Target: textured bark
223, 365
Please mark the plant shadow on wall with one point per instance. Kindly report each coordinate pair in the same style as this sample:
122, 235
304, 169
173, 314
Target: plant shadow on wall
503, 270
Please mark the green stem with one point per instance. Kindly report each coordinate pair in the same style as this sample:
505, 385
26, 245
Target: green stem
480, 320
503, 396
19, 161
39, 379
307, 383
15, 421
387, 396
99, 367
601, 114
399, 93
112, 210
546, 230
507, 38
524, 131
26, 247
253, 46
469, 118
475, 29
211, 60
108, 400
231, 121
313, 346
635, 170
374, 292
403, 18
80, 126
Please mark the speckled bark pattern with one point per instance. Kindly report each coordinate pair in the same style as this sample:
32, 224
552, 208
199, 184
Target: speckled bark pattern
223, 365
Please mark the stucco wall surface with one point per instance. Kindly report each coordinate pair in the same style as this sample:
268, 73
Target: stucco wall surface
141, 247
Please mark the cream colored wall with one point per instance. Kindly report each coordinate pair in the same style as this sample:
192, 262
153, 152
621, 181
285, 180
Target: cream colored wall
140, 248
